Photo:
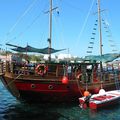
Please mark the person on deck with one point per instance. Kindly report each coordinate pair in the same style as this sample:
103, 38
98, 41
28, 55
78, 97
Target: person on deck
69, 71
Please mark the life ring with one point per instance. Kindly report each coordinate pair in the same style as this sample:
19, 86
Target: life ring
41, 69
78, 74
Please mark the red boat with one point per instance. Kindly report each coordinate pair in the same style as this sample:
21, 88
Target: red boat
54, 81
97, 101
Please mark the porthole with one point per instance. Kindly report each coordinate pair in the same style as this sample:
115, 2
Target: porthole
50, 87
33, 86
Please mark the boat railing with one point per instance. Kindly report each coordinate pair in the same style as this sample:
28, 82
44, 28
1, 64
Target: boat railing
60, 70
30, 69
105, 76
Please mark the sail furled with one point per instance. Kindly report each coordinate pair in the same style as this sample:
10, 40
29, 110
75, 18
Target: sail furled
29, 48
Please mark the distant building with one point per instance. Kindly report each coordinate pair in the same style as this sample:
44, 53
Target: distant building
5, 58
10, 57
64, 56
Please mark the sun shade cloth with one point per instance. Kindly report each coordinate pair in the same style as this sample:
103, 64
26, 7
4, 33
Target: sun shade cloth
103, 58
29, 48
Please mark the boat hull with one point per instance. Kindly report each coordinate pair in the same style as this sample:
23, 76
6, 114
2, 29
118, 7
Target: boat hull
49, 90
105, 104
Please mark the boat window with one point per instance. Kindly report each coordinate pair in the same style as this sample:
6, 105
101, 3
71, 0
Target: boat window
61, 70
52, 68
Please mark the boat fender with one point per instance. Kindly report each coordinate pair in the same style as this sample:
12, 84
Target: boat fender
50, 87
41, 69
102, 92
33, 86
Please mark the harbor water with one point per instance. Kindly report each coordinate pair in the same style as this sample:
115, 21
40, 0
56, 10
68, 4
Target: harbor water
12, 109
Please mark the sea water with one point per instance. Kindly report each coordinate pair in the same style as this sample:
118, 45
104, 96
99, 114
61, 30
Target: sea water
12, 109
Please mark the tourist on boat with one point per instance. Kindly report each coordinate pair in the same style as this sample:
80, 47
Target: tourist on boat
89, 72
69, 71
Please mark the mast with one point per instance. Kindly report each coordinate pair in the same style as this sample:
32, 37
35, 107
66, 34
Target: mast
50, 30
100, 35
100, 30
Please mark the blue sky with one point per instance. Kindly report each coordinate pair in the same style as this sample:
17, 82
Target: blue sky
23, 22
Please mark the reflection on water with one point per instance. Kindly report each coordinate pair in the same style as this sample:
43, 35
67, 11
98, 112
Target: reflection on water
11, 109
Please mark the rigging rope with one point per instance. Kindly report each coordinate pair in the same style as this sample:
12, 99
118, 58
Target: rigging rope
91, 43
20, 18
28, 27
60, 29
106, 24
109, 35
84, 24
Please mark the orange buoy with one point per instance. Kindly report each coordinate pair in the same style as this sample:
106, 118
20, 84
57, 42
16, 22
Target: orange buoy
65, 80
86, 93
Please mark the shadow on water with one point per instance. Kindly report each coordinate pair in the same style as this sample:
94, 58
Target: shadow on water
48, 111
